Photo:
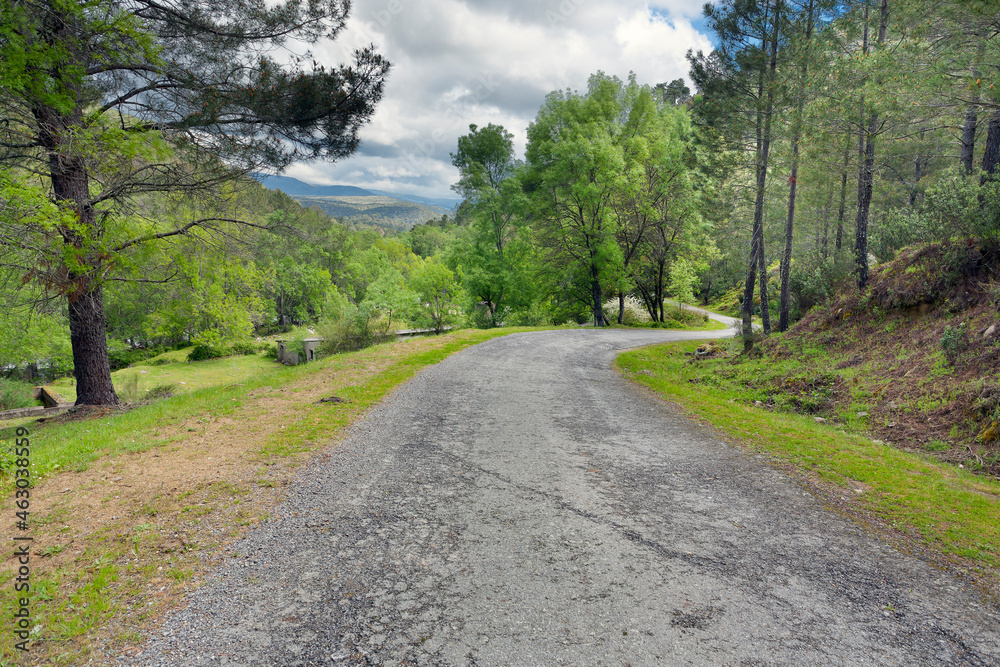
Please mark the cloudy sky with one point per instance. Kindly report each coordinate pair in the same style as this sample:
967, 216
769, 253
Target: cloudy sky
456, 62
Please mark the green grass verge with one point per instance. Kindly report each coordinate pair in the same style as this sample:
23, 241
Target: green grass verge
948, 509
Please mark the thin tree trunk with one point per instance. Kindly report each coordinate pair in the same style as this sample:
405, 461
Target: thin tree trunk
991, 153
842, 210
595, 286
969, 136
765, 309
660, 269
756, 235
746, 309
621, 307
866, 176
970, 125
786, 260
765, 299
916, 182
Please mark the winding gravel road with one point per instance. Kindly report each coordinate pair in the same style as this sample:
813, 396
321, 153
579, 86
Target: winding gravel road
520, 504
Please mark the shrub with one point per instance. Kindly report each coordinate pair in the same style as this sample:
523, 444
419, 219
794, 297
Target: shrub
128, 388
478, 316
161, 391
127, 356
244, 348
534, 316
211, 345
635, 312
205, 351
350, 329
682, 317
954, 341
14, 394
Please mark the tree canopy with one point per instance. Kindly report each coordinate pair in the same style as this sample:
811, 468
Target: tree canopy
108, 100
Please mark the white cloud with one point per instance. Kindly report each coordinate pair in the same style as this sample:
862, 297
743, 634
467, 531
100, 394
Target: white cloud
457, 62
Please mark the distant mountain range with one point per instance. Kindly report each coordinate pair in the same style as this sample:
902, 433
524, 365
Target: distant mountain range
295, 188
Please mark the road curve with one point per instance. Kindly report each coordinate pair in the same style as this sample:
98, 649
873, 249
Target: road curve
521, 504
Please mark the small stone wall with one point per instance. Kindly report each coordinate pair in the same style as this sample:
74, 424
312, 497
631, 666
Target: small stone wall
291, 353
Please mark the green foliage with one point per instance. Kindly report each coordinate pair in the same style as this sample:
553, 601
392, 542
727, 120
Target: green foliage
348, 326
121, 356
493, 257
955, 206
954, 341
682, 280
427, 240
814, 280
14, 394
439, 293
298, 291
210, 345
612, 197
106, 105
35, 339
128, 387
162, 391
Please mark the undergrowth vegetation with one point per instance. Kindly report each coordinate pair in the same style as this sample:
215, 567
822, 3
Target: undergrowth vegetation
15, 394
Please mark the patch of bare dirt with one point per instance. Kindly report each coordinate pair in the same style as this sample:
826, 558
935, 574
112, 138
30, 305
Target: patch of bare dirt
923, 342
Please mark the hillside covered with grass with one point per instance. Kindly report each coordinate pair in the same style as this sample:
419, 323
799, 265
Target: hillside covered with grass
884, 402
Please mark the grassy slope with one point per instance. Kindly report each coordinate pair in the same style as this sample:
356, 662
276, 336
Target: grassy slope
873, 365
944, 507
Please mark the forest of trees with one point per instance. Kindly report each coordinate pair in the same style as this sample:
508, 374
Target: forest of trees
820, 138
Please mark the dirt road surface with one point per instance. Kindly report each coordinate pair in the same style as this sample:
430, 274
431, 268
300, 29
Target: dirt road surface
521, 504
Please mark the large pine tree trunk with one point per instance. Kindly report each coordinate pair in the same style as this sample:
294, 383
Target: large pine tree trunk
87, 326
765, 299
866, 180
87, 333
970, 125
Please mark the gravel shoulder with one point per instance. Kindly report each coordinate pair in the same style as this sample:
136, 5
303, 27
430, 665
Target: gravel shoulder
521, 504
